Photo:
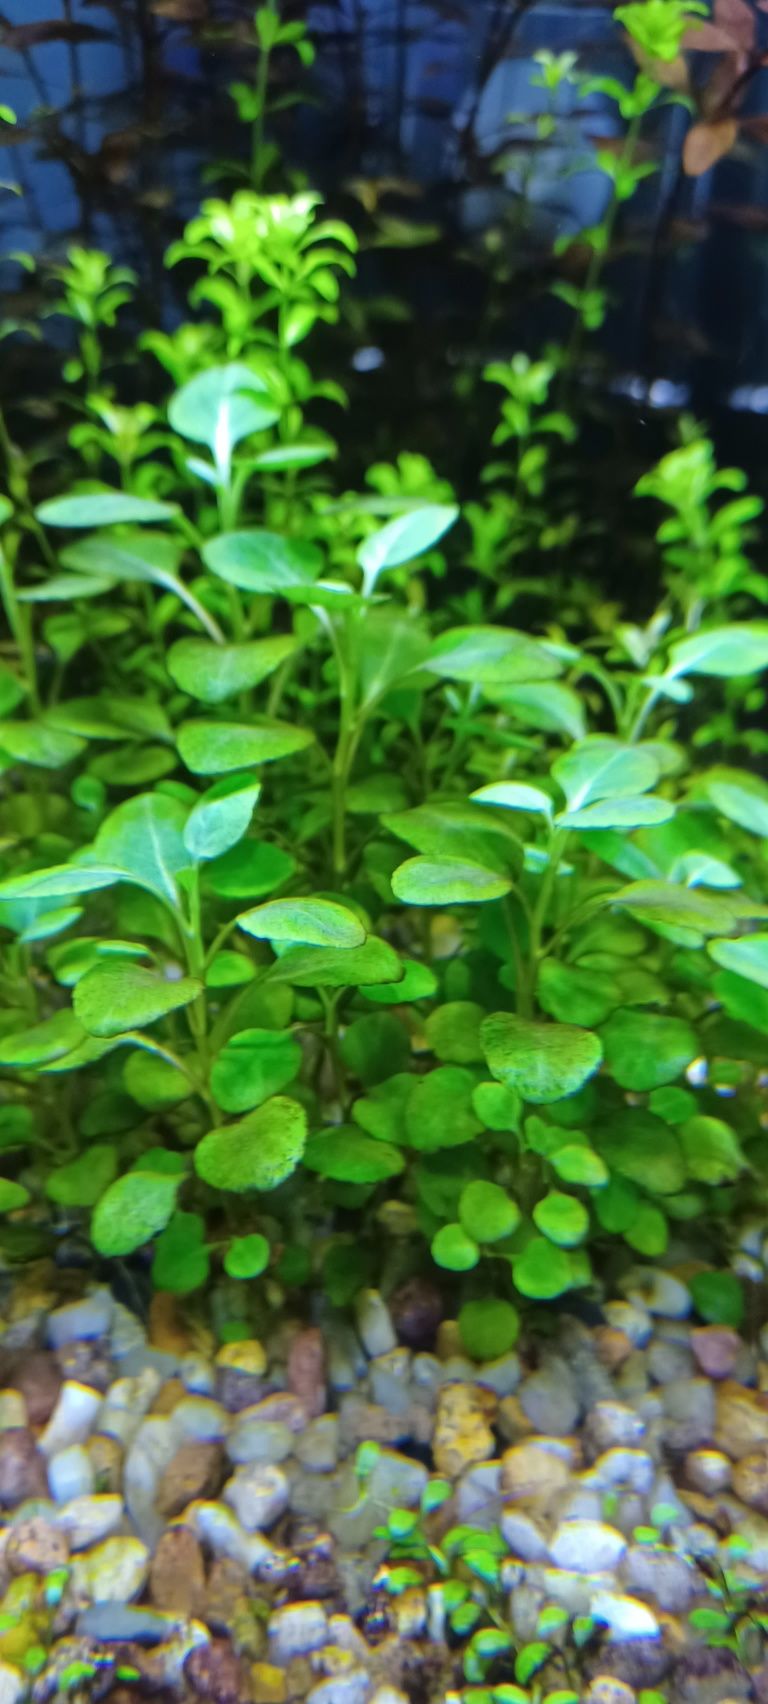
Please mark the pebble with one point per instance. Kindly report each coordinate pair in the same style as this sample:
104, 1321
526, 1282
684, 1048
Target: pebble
73, 1418
479, 1496
668, 1580
197, 1375
106, 1455
741, 1423
389, 1377
717, 1350
252, 1440
307, 1370
501, 1376
215, 1672
36, 1546
374, 1324
13, 1685
194, 1471
13, 1410
88, 1520
549, 1401
535, 1471
318, 1448
70, 1473
22, 1468
605, 1689
354, 1687
396, 1479
113, 1572
612, 1424
462, 1433
219, 1528
708, 1471
624, 1617
258, 1495
525, 1534
632, 1320
587, 1546
177, 1574
649, 1288
416, 1309
78, 1321
295, 1630
621, 1469
689, 1408
38, 1379
750, 1479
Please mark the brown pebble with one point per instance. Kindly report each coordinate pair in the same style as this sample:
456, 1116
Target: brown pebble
196, 1471
612, 1346
226, 1593
167, 1328
87, 1363
36, 1547
38, 1377
741, 1419
168, 1397
750, 1479
307, 1370
462, 1427
281, 1406
22, 1468
215, 1672
177, 1574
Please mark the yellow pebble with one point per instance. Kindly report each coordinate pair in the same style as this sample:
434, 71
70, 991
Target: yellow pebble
245, 1357
269, 1684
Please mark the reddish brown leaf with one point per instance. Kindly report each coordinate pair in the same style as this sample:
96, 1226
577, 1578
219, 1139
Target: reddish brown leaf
738, 19
705, 144
710, 38
20, 37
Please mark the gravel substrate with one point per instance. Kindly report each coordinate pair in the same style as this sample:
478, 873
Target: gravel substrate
183, 1522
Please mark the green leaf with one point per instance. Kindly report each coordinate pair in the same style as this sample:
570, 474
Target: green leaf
212, 748
453, 1032
542, 1271
214, 673
543, 1061
103, 509
460, 830
454, 1250
569, 993
375, 1047
12, 1195
132, 1211
249, 870
262, 561
689, 908
305, 922
488, 1327
747, 957
641, 812
405, 537
61, 881
718, 1297
338, 967
617, 1206
515, 796
41, 1044
487, 1212
561, 1218
643, 1149
43, 746
741, 797
247, 1257
340, 1152
643, 1050
599, 768
144, 838
220, 406
82, 1181
259, 1151
576, 1163
712, 1150
497, 1106
741, 999
490, 656
418, 982
154, 1083
117, 995
181, 1262
381, 1112
221, 817
441, 881
253, 1065
547, 706
648, 1232
439, 1111
530, 1659
738, 648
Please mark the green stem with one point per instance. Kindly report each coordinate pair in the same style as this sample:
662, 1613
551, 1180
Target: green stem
541, 908
21, 627
257, 134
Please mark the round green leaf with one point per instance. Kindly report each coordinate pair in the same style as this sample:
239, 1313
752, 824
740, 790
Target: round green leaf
439, 1112
712, 1150
258, 1151
342, 1153
12, 1195
643, 1149
487, 1212
221, 817
375, 1047
116, 996
488, 1327
405, 537
617, 1205
648, 1232
453, 1032
454, 1250
213, 748
154, 1083
214, 673
543, 1061
252, 1066
305, 922
443, 881
497, 1107
132, 1211
262, 561
181, 1262
418, 982
220, 406
577, 1163
562, 1218
573, 995
542, 1271
247, 1257
84, 1180
644, 1050
718, 1297
747, 957
249, 870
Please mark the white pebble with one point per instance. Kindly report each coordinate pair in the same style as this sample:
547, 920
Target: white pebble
72, 1420
81, 1321
625, 1617
70, 1474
